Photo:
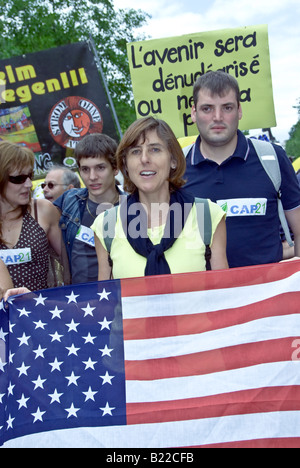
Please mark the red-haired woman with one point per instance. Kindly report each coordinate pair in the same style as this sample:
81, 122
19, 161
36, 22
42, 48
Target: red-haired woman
27, 227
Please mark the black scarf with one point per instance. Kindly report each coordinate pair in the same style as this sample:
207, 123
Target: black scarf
135, 225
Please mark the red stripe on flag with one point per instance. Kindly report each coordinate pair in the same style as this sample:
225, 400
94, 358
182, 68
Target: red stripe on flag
260, 400
284, 442
168, 284
158, 327
208, 362
255, 373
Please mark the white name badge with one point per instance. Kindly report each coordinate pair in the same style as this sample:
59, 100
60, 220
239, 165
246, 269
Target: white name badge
15, 256
244, 206
86, 235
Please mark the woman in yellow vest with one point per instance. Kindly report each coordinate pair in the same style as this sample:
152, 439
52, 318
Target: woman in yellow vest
157, 228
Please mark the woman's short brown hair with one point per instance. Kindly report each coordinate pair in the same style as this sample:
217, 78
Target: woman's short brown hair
139, 129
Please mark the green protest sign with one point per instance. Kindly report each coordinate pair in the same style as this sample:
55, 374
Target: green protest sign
163, 72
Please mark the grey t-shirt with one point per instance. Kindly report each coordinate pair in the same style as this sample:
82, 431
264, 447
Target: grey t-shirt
84, 257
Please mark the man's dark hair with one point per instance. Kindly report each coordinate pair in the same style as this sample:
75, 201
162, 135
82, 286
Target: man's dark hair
218, 83
97, 145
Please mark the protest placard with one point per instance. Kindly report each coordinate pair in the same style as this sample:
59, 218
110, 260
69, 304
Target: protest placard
163, 72
49, 100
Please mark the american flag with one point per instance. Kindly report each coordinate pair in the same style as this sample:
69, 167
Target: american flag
207, 359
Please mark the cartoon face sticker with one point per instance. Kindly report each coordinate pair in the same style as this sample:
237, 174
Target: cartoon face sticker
72, 118
76, 123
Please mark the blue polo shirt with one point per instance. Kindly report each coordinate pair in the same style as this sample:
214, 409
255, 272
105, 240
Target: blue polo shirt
242, 188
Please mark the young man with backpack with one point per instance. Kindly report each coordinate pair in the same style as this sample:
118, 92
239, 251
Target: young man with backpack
225, 166
95, 156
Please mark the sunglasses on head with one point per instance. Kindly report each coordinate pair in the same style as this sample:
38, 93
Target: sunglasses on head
20, 179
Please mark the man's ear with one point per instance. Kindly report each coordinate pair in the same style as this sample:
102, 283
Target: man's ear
193, 113
240, 112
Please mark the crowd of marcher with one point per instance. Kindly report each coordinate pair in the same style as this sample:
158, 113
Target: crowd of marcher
211, 206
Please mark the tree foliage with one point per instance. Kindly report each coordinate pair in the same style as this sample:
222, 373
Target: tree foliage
28, 26
293, 143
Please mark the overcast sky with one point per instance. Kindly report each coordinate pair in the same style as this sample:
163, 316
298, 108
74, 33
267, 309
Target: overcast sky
175, 18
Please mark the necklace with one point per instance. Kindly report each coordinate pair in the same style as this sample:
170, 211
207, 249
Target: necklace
102, 206
89, 211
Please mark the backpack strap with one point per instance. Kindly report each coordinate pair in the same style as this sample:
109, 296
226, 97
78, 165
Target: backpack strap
205, 227
187, 149
269, 160
203, 220
109, 227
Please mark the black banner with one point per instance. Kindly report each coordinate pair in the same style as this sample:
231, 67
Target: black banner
50, 100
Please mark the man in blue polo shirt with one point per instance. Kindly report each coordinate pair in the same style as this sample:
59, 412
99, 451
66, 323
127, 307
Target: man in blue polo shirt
224, 167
